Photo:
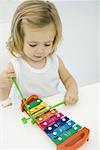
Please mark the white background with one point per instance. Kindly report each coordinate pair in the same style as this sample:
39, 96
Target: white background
80, 46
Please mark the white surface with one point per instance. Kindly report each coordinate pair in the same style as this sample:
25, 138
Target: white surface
79, 47
16, 136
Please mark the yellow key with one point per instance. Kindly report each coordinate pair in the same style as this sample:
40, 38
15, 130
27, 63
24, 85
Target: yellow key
38, 107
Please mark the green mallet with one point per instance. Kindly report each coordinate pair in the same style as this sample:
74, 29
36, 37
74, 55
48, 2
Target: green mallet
24, 101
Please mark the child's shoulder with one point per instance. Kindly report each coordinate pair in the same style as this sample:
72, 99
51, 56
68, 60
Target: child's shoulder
15, 61
54, 58
58, 60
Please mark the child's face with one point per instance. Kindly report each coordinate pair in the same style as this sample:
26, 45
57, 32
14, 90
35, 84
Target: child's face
38, 42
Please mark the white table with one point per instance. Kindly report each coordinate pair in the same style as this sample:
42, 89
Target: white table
16, 136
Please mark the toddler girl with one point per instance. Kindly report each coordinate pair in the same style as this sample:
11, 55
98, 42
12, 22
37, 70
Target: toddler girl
35, 33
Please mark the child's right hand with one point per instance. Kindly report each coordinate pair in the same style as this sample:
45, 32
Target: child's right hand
6, 77
6, 81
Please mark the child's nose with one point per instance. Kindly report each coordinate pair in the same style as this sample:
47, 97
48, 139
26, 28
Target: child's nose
40, 49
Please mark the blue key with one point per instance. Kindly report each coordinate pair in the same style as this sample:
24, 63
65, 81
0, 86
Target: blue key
57, 124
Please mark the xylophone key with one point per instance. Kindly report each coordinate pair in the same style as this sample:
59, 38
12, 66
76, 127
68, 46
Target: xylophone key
34, 103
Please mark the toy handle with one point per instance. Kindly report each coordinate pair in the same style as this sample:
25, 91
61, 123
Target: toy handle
75, 141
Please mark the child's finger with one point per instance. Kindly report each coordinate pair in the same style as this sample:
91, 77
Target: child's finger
11, 74
66, 100
70, 100
73, 100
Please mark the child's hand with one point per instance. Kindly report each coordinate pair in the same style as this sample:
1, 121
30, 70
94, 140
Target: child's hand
71, 97
6, 78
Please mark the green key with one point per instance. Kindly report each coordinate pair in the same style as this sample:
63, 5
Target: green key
33, 104
67, 134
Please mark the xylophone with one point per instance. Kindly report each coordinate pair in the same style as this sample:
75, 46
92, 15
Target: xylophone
63, 131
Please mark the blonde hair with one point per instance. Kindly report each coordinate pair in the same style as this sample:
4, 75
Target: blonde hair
38, 14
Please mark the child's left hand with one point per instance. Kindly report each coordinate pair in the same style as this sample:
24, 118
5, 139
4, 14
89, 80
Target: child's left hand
70, 97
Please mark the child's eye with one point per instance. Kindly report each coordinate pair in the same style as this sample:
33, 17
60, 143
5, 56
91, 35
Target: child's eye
47, 44
32, 45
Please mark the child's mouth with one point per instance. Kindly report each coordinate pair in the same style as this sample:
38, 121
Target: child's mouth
38, 56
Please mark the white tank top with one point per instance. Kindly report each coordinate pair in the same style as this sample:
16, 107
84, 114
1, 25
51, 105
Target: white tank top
42, 82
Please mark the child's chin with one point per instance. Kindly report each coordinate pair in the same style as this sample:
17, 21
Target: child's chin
37, 59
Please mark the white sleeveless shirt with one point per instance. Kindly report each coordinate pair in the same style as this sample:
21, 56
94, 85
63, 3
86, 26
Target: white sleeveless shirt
42, 82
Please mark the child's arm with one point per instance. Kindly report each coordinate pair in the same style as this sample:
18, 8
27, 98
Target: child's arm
6, 81
69, 82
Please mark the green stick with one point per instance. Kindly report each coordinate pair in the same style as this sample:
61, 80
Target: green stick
17, 87
22, 96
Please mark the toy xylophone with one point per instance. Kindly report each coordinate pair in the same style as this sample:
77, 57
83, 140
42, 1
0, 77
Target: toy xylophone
63, 131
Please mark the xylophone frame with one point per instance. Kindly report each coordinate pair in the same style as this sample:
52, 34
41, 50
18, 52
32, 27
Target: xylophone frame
73, 142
